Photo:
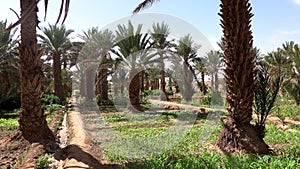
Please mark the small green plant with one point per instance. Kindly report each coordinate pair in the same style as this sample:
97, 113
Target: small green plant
43, 162
265, 94
11, 124
49, 98
206, 100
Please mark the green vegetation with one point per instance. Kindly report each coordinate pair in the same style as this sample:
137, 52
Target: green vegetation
205, 160
194, 150
9, 124
43, 162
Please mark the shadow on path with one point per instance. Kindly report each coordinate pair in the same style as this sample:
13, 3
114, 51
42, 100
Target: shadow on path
77, 153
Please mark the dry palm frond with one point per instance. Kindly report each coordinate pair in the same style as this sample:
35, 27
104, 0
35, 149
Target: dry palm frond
143, 5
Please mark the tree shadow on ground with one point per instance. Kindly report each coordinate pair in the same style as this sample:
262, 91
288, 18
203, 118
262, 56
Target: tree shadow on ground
77, 153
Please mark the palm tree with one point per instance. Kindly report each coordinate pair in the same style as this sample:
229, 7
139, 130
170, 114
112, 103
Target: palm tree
277, 62
292, 82
32, 120
104, 40
9, 79
239, 76
133, 53
187, 51
56, 42
213, 63
159, 34
200, 66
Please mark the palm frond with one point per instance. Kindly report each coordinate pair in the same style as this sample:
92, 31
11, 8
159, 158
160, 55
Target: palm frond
143, 5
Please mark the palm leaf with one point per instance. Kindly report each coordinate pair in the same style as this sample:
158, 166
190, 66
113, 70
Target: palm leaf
143, 5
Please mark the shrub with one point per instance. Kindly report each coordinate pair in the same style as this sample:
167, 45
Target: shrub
49, 98
43, 162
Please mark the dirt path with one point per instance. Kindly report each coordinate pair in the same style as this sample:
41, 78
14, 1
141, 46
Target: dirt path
79, 151
203, 110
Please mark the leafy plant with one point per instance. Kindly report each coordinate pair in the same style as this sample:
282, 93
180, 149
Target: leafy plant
11, 124
265, 94
43, 162
49, 98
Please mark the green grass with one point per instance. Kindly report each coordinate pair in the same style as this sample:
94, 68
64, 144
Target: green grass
144, 137
291, 111
43, 162
9, 119
206, 160
288, 142
10, 124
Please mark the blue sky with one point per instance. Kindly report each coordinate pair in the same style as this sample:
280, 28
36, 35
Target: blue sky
274, 21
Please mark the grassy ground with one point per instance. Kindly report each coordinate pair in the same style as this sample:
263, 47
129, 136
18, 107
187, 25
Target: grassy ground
13, 148
153, 140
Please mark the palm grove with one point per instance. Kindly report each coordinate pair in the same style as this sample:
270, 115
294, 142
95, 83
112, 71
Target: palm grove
252, 81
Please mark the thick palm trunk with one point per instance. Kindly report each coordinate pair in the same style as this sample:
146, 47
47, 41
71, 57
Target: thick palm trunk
32, 120
58, 87
83, 85
163, 96
238, 134
102, 87
187, 91
134, 91
90, 81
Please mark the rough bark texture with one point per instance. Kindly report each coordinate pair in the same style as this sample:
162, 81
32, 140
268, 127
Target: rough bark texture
58, 87
90, 74
187, 91
134, 91
32, 120
163, 96
102, 87
238, 134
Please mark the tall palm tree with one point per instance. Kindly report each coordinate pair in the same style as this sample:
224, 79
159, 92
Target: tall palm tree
237, 134
32, 120
277, 62
187, 51
239, 76
292, 82
213, 63
56, 42
9, 79
104, 40
200, 66
133, 52
160, 33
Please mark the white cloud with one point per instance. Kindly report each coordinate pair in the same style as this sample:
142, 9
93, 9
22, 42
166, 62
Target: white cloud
297, 2
291, 32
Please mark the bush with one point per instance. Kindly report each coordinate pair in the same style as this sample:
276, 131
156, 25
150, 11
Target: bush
43, 162
49, 98
206, 100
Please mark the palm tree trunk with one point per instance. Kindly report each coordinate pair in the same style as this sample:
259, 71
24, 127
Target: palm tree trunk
203, 83
238, 134
216, 82
163, 95
134, 92
83, 86
90, 81
187, 92
32, 120
102, 87
58, 87
146, 82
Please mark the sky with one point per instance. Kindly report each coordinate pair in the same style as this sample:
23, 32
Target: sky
274, 21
